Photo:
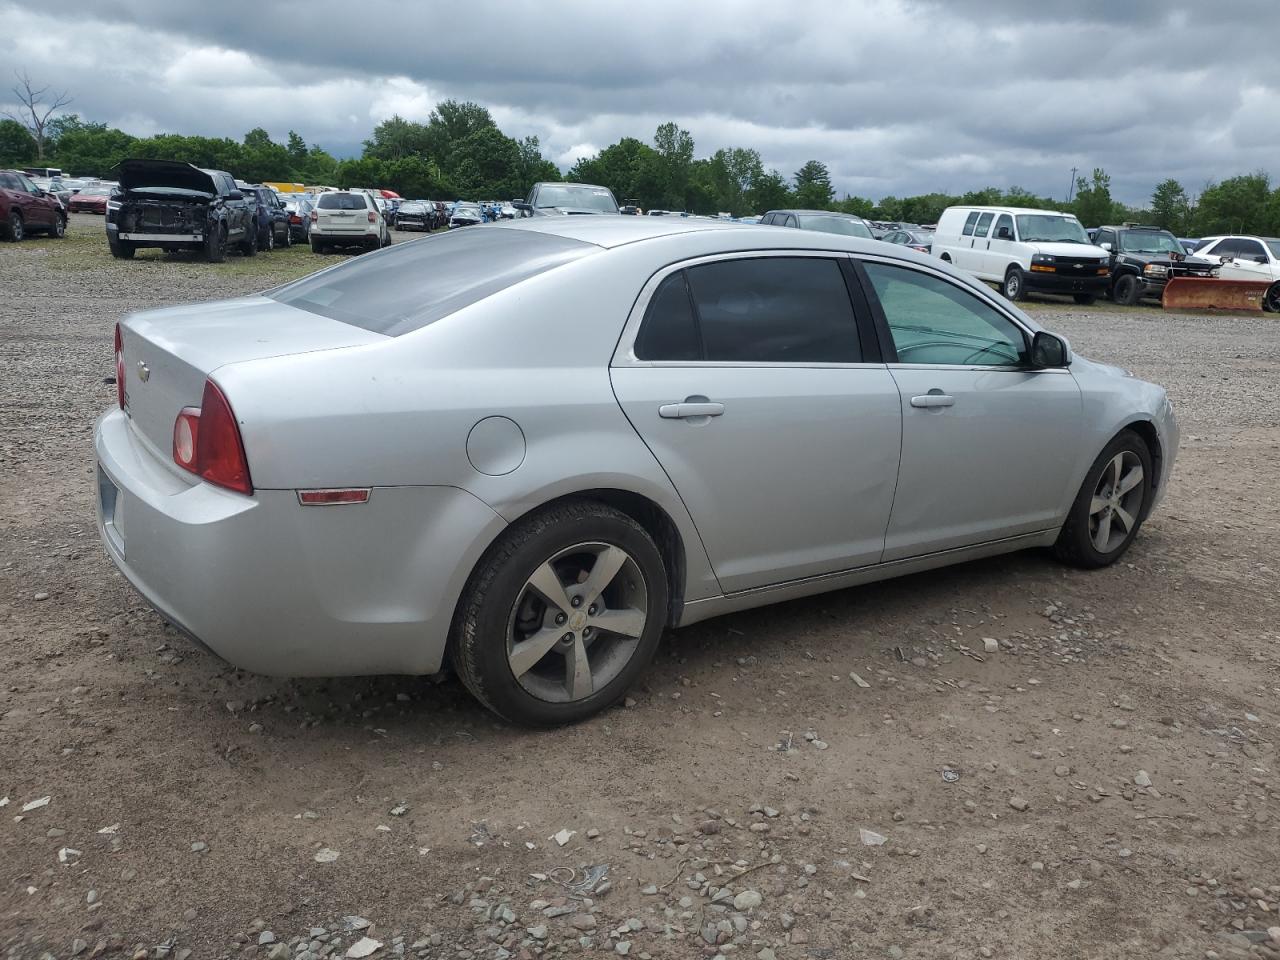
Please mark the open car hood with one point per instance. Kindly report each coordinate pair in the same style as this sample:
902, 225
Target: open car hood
141, 174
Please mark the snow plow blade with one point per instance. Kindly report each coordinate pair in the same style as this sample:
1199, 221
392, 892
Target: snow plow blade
1197, 293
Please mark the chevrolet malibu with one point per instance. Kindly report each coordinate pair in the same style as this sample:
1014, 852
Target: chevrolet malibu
527, 450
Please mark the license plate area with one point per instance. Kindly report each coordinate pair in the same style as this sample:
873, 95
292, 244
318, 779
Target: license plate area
112, 505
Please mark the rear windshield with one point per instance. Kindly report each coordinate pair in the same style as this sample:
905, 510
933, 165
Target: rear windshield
576, 196
341, 201
405, 287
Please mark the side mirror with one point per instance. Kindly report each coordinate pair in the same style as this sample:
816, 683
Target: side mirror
1106, 246
1048, 350
235, 195
1261, 258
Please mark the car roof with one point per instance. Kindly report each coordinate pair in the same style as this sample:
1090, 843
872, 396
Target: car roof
1055, 213
815, 213
608, 231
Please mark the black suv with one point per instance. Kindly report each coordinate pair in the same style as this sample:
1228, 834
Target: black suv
177, 206
1143, 259
270, 218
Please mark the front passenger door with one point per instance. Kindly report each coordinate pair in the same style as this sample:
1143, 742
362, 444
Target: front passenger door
989, 445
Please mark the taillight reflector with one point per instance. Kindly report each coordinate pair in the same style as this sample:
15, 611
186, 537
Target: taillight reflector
206, 441
373, 217
320, 498
314, 216
119, 368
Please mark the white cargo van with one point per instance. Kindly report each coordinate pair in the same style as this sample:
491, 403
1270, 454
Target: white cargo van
1023, 250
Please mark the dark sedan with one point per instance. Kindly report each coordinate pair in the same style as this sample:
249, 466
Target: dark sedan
298, 207
921, 240
416, 215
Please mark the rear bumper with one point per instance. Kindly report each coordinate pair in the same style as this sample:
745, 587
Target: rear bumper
1065, 283
278, 588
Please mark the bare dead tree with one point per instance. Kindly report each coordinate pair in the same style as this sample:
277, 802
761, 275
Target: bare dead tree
35, 112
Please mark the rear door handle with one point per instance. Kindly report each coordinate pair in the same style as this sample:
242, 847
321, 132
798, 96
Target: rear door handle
683, 411
930, 400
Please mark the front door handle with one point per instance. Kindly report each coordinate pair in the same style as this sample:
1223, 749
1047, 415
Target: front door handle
687, 409
931, 400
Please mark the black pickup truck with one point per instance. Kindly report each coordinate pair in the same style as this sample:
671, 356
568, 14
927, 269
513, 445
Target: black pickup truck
1144, 259
178, 206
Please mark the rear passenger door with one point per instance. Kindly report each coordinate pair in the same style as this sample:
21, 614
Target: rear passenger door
1001, 247
765, 401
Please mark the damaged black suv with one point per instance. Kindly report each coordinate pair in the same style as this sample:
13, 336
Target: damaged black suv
1144, 259
178, 206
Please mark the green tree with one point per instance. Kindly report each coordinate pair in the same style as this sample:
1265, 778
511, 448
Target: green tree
297, 148
264, 159
1093, 203
1236, 205
675, 148
768, 191
397, 137
813, 186
16, 145
92, 149
858, 206
532, 167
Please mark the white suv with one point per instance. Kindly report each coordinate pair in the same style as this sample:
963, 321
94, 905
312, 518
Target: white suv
1247, 258
1023, 250
346, 219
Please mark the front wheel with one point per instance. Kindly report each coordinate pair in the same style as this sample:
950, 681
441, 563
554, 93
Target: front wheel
215, 243
561, 615
1127, 291
16, 229
121, 249
288, 238
1015, 286
1110, 506
1085, 299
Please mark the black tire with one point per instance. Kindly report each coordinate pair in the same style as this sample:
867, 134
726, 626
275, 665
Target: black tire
15, 230
59, 228
1085, 299
1271, 302
1127, 291
270, 237
316, 246
1075, 545
478, 642
121, 249
1014, 287
249, 245
288, 238
215, 243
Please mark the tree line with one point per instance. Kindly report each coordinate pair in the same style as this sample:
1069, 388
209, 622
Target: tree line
460, 152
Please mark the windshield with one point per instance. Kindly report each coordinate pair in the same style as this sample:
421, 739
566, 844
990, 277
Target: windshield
577, 196
341, 201
1149, 241
409, 285
1047, 228
1274, 246
845, 226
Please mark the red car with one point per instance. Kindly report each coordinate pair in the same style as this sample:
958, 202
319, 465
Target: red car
90, 200
25, 208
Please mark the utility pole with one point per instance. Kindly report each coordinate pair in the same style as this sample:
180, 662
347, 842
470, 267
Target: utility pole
1071, 190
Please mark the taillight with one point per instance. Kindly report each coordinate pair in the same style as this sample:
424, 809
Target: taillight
373, 217
206, 441
119, 368
314, 216
294, 218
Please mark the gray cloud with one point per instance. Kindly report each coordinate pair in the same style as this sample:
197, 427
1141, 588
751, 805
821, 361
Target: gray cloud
896, 96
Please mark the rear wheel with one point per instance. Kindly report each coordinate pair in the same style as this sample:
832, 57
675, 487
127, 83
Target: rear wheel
316, 246
16, 230
562, 615
1110, 506
1015, 286
288, 238
1271, 302
249, 245
1127, 290
270, 243
215, 243
1085, 299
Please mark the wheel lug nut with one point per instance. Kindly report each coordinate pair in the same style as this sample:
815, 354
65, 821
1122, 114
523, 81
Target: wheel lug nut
586, 634
576, 601
567, 638
591, 610
560, 619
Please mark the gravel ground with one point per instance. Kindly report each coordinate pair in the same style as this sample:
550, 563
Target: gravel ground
1102, 786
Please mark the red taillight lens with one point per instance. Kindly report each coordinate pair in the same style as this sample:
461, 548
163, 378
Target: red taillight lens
373, 217
206, 441
294, 218
119, 368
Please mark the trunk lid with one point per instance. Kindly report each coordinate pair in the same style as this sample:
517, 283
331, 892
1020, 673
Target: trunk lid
169, 353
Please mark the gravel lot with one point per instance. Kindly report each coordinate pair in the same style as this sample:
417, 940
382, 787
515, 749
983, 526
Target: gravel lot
1103, 786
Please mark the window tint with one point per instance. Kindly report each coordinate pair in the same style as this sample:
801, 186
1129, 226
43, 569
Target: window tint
410, 285
933, 321
1004, 223
1250, 249
969, 224
984, 222
341, 201
775, 310
9, 182
669, 331
1226, 248
1105, 236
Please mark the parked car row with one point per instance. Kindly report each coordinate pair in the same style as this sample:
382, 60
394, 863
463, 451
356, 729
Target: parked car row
26, 208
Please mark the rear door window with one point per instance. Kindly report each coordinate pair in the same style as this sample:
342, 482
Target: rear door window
969, 223
774, 310
669, 330
984, 222
1250, 250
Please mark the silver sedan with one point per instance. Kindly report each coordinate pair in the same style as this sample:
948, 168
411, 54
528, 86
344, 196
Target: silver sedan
527, 449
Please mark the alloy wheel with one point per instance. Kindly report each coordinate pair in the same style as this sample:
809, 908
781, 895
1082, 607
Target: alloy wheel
15, 228
577, 622
1272, 301
1117, 502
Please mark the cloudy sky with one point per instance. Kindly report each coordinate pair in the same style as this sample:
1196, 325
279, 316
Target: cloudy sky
895, 96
